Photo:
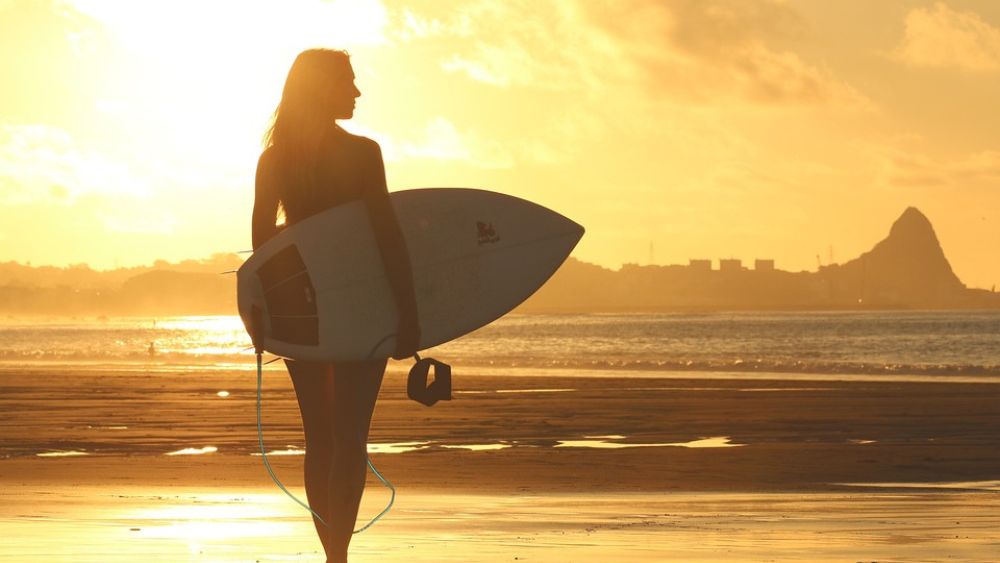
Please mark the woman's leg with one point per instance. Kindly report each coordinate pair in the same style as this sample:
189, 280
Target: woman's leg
313, 384
356, 387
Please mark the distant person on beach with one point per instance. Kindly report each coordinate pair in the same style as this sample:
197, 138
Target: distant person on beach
309, 164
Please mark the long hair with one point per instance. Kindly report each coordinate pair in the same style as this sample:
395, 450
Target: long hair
300, 120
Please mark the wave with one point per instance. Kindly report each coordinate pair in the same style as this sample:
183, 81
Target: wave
469, 363
779, 366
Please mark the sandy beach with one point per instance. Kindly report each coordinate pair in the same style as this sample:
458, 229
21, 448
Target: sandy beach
102, 464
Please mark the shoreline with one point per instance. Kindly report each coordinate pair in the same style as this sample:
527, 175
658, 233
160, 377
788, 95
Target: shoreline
401, 368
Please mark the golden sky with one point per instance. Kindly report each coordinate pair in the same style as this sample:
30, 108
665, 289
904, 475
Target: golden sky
129, 131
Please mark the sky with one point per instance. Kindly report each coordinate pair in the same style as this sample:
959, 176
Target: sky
796, 130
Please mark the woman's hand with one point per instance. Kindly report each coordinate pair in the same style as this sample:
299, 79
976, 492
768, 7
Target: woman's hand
408, 336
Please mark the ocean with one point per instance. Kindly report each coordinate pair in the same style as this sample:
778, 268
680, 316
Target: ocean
898, 342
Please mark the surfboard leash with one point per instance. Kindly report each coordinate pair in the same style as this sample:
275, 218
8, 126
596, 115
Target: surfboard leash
417, 387
263, 452
270, 471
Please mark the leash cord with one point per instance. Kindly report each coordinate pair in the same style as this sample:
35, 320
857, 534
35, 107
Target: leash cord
267, 464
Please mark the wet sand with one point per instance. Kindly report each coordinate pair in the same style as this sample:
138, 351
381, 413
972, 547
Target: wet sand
793, 483
97, 524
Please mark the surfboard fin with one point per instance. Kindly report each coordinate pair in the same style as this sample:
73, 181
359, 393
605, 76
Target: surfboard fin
439, 389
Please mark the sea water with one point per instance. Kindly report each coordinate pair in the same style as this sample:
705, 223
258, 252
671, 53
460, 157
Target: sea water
913, 342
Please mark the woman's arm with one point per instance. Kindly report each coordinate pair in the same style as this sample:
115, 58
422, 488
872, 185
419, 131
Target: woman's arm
265, 201
391, 244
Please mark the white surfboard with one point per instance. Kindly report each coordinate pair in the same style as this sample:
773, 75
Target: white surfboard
476, 254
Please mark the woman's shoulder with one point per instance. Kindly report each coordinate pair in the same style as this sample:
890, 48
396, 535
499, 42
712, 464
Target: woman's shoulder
357, 142
267, 160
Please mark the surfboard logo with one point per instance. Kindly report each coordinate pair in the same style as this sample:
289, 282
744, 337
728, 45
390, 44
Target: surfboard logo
487, 234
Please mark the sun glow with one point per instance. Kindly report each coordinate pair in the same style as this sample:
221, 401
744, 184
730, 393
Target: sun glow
211, 323
159, 104
220, 63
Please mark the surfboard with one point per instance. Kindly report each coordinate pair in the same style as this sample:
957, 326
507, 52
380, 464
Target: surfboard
476, 254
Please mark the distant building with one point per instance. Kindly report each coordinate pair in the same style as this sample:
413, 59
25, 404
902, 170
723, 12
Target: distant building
763, 265
730, 265
700, 265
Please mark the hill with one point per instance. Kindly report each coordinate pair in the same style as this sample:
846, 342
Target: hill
908, 269
190, 287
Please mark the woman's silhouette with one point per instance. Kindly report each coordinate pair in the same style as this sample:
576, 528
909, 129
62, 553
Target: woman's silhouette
310, 164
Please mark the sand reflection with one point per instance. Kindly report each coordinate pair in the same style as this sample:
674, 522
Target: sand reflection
401, 448
712, 442
118, 525
212, 517
292, 450
195, 451
609, 441
993, 486
396, 447
477, 447
494, 391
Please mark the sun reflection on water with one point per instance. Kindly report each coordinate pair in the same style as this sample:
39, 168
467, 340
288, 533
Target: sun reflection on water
220, 323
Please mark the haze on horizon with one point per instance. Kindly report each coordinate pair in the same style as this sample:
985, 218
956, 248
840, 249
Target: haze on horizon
711, 129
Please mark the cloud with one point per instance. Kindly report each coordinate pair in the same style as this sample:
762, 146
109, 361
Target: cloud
713, 49
153, 23
43, 163
540, 45
485, 71
720, 29
775, 77
53, 62
443, 141
149, 223
413, 26
907, 170
940, 37
686, 50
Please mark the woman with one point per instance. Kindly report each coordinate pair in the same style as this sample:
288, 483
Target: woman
310, 164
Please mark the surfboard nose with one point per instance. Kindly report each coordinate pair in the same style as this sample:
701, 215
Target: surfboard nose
565, 227
575, 228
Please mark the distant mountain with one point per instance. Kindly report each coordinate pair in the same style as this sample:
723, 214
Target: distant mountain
190, 287
82, 276
160, 292
907, 269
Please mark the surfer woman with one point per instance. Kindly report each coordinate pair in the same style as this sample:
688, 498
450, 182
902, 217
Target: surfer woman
310, 164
